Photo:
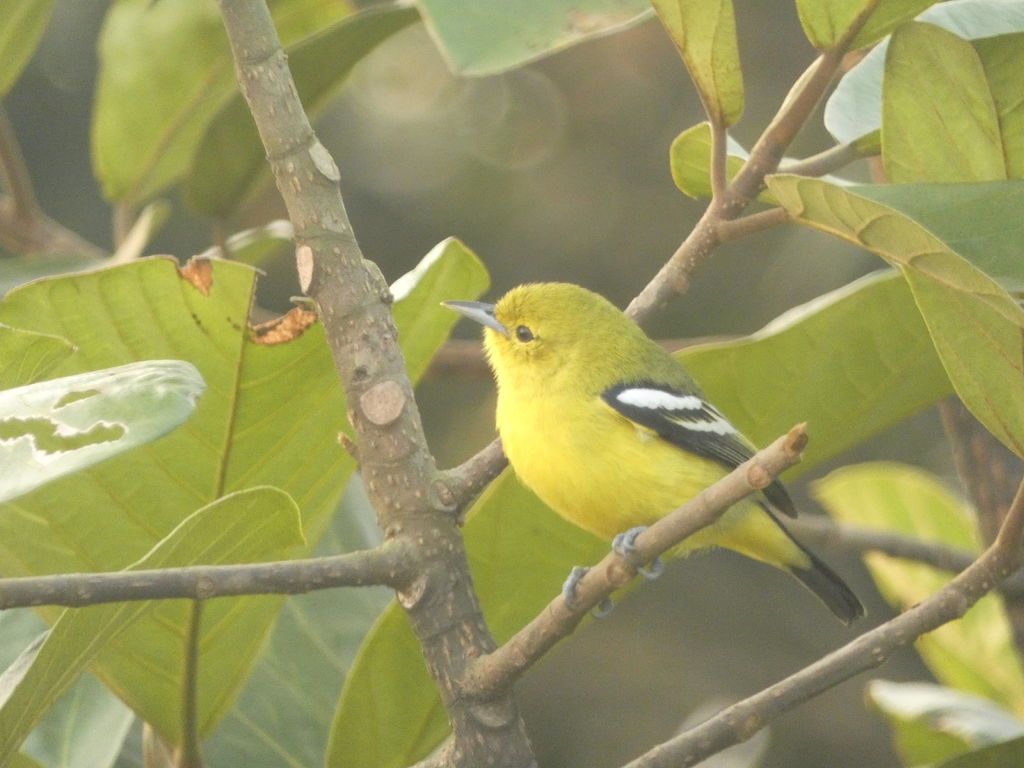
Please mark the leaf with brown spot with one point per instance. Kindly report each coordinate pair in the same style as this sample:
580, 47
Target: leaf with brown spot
285, 328
199, 272
271, 416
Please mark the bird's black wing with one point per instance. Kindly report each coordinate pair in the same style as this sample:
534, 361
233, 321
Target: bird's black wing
691, 423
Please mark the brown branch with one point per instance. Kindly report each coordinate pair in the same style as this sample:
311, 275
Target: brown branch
40, 236
984, 465
24, 228
831, 159
15, 173
985, 468
398, 470
189, 754
741, 720
823, 533
387, 565
497, 671
719, 157
459, 486
673, 279
734, 229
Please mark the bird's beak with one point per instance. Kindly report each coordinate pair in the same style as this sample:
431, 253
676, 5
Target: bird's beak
478, 311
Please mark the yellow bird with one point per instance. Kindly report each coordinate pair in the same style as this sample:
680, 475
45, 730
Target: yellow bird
610, 431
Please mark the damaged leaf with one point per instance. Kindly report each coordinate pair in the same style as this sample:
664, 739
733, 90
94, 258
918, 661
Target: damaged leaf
52, 428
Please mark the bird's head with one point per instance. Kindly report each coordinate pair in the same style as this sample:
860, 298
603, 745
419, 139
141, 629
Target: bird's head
548, 327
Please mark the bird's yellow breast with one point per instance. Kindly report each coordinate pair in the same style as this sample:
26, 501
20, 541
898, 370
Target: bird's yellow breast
595, 467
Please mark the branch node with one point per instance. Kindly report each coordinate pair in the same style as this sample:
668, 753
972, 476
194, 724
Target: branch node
796, 439
411, 595
304, 266
442, 497
498, 713
205, 588
382, 403
324, 163
349, 445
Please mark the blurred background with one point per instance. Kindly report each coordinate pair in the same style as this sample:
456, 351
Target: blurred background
559, 171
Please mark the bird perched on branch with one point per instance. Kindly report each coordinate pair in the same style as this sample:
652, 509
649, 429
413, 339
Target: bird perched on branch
610, 431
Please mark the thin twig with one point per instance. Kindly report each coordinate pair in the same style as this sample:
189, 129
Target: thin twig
24, 228
828, 161
499, 670
457, 487
984, 465
719, 158
189, 753
673, 279
821, 532
387, 565
733, 229
15, 173
741, 720
121, 223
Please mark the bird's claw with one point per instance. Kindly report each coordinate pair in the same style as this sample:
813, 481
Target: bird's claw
569, 593
624, 545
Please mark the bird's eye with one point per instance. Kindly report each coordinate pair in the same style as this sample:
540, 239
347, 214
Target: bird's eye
524, 334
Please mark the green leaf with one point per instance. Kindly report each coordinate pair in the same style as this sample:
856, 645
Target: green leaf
488, 38
975, 654
21, 28
53, 428
86, 728
26, 356
975, 325
932, 723
854, 110
389, 714
245, 432
296, 664
880, 368
247, 526
449, 269
1008, 754
704, 31
249, 429
312, 646
939, 121
981, 222
18, 270
825, 22
283, 715
153, 104
690, 160
1003, 60
230, 161
20, 760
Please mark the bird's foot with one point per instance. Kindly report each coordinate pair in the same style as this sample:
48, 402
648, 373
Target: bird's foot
569, 593
624, 545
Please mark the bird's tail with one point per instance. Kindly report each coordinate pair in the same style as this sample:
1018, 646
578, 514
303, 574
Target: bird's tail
825, 583
829, 588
